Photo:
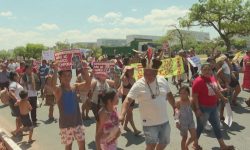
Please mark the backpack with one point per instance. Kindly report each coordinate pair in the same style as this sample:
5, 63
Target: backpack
37, 82
4, 96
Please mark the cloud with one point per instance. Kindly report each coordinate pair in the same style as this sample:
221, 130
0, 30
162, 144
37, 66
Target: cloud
159, 17
46, 26
94, 18
6, 14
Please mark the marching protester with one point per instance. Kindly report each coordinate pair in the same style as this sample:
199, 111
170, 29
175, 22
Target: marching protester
31, 83
83, 96
246, 78
70, 120
152, 93
4, 74
108, 130
43, 71
25, 108
205, 95
12, 65
49, 96
184, 118
14, 90
126, 84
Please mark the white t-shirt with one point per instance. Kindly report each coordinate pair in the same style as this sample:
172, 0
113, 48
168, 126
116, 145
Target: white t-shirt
225, 68
14, 86
12, 67
152, 111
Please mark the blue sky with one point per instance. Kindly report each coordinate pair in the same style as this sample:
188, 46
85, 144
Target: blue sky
49, 21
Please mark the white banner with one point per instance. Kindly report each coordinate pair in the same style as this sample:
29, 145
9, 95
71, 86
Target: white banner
48, 55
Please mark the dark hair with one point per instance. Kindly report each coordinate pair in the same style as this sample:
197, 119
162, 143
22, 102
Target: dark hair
186, 88
12, 76
23, 94
62, 71
107, 95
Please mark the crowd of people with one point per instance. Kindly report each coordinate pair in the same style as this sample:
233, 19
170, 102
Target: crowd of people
213, 84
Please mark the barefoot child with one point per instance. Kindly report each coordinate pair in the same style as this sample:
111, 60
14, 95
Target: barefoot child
25, 108
108, 130
184, 118
49, 96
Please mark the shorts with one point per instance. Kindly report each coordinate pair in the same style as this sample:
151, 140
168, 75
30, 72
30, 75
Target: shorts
159, 134
185, 127
69, 134
50, 100
25, 119
15, 112
123, 98
234, 83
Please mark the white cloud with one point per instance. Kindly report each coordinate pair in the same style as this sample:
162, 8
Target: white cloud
94, 19
6, 14
159, 17
113, 15
46, 26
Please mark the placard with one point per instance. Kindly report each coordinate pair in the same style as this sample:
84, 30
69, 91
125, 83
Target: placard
102, 67
48, 55
68, 59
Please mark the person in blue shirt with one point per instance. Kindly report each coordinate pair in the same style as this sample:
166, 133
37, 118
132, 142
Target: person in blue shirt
43, 72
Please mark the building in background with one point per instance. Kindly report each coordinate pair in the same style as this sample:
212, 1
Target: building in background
130, 38
111, 42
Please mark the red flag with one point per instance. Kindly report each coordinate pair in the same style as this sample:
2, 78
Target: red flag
149, 54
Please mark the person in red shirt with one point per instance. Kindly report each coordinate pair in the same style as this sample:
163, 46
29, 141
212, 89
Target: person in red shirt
205, 93
20, 69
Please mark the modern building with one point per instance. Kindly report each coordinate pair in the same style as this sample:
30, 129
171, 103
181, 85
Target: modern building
111, 42
83, 44
130, 38
197, 35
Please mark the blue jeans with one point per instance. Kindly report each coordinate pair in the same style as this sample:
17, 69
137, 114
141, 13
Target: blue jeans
209, 114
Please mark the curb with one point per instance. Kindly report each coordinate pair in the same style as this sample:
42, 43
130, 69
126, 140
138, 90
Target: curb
9, 143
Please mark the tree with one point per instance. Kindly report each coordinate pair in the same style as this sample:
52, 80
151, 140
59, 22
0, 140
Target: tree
227, 17
34, 50
20, 51
239, 43
62, 46
5, 54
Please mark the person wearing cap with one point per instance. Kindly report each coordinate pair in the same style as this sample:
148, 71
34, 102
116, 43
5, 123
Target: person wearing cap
152, 93
4, 74
70, 121
205, 94
127, 81
246, 78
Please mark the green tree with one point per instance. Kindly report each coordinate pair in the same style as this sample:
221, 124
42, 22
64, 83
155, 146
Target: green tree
20, 51
62, 46
34, 50
227, 17
5, 54
239, 43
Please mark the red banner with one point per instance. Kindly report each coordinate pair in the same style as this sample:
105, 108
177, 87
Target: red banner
68, 59
102, 67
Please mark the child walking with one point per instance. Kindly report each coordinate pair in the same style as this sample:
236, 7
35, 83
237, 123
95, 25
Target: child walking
49, 96
184, 118
25, 108
108, 130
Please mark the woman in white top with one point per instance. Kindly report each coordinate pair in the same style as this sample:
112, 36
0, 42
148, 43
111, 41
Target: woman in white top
14, 89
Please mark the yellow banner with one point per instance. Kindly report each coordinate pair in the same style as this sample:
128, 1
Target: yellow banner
170, 67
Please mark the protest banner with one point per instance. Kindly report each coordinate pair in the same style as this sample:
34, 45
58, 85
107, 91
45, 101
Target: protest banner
170, 67
102, 67
48, 55
68, 59
195, 61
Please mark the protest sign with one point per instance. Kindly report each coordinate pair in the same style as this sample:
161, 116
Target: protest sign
48, 55
195, 61
170, 67
228, 115
68, 59
102, 67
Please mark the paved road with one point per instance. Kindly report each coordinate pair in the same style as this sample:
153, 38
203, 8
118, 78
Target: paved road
47, 133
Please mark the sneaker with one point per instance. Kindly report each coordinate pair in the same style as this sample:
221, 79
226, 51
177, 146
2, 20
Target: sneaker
208, 127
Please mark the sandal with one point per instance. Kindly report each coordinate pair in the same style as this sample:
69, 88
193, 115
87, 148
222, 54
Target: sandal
230, 147
136, 133
198, 147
